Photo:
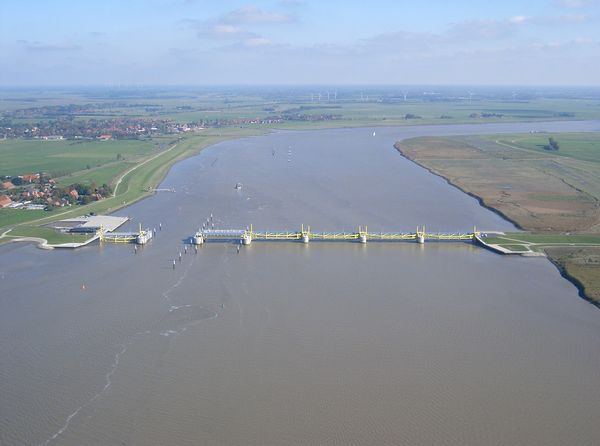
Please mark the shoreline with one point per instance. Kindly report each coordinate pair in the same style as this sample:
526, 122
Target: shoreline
575, 281
40, 243
561, 269
166, 169
449, 182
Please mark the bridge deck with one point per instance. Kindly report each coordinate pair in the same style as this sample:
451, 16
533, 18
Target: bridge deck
119, 237
236, 234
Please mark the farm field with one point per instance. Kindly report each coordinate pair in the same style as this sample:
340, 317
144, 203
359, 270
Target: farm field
352, 106
60, 158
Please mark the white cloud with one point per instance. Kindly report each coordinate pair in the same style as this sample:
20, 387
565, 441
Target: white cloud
221, 31
518, 19
482, 29
239, 25
253, 15
489, 29
238, 46
227, 30
564, 19
256, 41
584, 40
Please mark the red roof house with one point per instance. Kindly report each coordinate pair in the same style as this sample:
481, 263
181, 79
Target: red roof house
5, 201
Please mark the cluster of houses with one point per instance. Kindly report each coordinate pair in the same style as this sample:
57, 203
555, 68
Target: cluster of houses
99, 129
28, 193
34, 192
136, 127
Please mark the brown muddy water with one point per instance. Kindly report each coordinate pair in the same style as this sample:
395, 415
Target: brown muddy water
291, 344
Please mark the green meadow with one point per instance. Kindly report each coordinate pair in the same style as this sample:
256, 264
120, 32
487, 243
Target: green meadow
59, 158
581, 146
381, 113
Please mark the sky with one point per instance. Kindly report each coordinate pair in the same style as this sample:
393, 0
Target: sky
280, 42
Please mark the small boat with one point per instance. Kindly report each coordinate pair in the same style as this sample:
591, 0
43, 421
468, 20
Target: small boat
238, 185
373, 133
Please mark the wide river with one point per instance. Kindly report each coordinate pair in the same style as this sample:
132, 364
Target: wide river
291, 344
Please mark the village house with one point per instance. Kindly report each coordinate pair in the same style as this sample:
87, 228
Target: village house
5, 201
30, 178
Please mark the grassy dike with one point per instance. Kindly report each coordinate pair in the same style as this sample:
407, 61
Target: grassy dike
130, 186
